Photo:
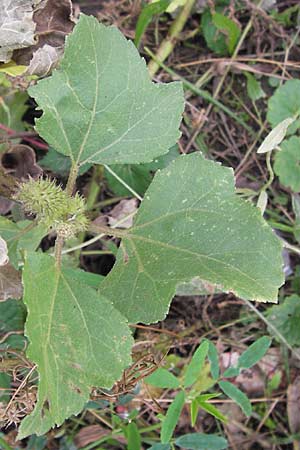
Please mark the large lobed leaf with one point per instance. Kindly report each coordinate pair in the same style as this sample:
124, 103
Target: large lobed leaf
101, 106
77, 339
190, 224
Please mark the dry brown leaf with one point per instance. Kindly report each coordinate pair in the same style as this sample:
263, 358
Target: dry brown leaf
16, 26
20, 161
89, 434
122, 214
54, 21
293, 406
3, 252
10, 283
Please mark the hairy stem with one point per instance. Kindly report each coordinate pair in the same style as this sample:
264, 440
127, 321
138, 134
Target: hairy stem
72, 179
59, 243
94, 191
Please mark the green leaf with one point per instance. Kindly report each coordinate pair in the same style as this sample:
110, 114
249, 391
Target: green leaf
201, 441
205, 397
215, 40
146, 16
229, 27
194, 408
237, 396
254, 352
162, 378
172, 417
133, 437
254, 89
231, 372
286, 318
5, 381
12, 318
38, 443
59, 164
12, 109
193, 370
212, 410
214, 360
202, 229
100, 106
285, 103
89, 278
138, 176
160, 447
23, 235
287, 163
275, 137
77, 340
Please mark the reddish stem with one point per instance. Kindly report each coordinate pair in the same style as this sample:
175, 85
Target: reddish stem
32, 141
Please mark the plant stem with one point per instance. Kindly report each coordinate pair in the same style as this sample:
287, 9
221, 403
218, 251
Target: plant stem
123, 182
270, 170
291, 247
94, 190
59, 243
72, 179
108, 231
95, 187
168, 44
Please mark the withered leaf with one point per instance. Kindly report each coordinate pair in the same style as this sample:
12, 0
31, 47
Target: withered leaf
10, 283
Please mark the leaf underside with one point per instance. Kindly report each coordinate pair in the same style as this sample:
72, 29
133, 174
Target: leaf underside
190, 224
77, 340
100, 106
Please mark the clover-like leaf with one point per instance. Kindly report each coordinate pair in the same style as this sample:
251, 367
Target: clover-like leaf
100, 106
190, 224
285, 103
196, 441
77, 340
287, 163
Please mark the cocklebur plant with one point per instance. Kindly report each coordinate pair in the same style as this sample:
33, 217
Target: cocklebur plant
100, 107
53, 207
